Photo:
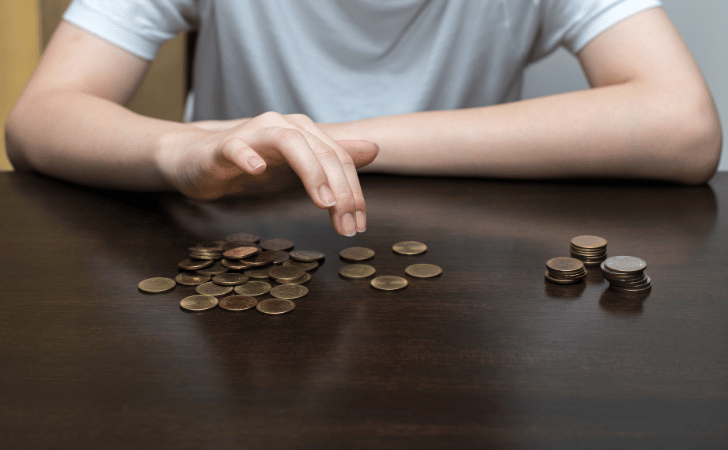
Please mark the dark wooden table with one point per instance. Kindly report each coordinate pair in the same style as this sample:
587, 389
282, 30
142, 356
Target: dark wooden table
488, 355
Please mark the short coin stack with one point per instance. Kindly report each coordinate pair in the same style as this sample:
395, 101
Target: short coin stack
565, 270
591, 250
626, 274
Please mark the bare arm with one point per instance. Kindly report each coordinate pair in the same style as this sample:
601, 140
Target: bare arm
70, 122
648, 115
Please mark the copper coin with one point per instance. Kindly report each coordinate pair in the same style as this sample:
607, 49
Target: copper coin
191, 279
625, 264
279, 257
230, 279
253, 288
562, 280
286, 273
257, 274
307, 266
207, 256
356, 254
303, 280
213, 289
156, 285
234, 244
234, 264
195, 264
389, 283
589, 242
276, 245
564, 264
289, 291
275, 306
240, 252
198, 302
357, 271
423, 270
237, 302
306, 255
259, 260
409, 248
215, 269
244, 237
203, 248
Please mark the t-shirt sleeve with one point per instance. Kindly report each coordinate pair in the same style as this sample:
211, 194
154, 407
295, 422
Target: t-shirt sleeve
573, 23
138, 26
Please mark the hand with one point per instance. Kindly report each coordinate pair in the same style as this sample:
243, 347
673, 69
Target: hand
220, 158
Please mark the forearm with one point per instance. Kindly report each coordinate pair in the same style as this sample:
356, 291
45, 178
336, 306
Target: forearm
88, 140
627, 130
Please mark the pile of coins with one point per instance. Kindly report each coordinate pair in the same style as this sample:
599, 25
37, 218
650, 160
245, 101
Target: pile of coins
565, 270
359, 271
591, 250
626, 274
243, 264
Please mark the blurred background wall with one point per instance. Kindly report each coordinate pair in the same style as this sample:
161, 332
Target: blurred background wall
25, 25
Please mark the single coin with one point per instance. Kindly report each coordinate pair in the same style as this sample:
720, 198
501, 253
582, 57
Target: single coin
289, 291
215, 269
409, 248
275, 306
253, 288
306, 255
303, 280
589, 242
206, 256
276, 245
195, 264
240, 252
564, 265
356, 254
279, 257
234, 264
286, 273
625, 264
191, 279
357, 271
237, 302
156, 285
206, 248
198, 302
307, 266
259, 260
257, 274
235, 244
562, 280
423, 270
230, 279
389, 283
243, 237
213, 289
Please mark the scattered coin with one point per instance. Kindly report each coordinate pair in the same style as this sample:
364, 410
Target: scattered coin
213, 289
409, 248
306, 255
279, 257
259, 260
240, 252
257, 274
253, 288
230, 279
357, 271
237, 302
195, 264
389, 283
307, 266
243, 237
303, 280
156, 285
191, 279
198, 302
234, 264
289, 291
276, 245
356, 254
286, 273
423, 270
275, 306
215, 269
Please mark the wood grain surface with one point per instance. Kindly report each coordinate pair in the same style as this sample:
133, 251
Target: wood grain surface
488, 355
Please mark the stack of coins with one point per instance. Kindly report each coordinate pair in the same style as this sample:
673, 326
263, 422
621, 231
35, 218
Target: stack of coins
565, 270
626, 274
591, 250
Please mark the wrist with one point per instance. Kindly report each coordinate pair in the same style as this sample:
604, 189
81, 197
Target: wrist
170, 147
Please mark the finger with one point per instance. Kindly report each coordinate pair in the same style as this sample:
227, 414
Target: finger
235, 151
362, 153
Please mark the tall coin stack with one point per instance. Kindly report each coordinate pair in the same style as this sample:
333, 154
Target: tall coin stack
591, 250
626, 274
565, 270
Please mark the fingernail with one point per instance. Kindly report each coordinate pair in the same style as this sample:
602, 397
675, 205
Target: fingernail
255, 162
326, 196
361, 222
348, 225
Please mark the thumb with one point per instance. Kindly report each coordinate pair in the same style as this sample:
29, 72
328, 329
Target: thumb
361, 152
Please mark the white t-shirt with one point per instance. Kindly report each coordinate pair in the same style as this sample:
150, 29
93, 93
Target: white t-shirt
340, 60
